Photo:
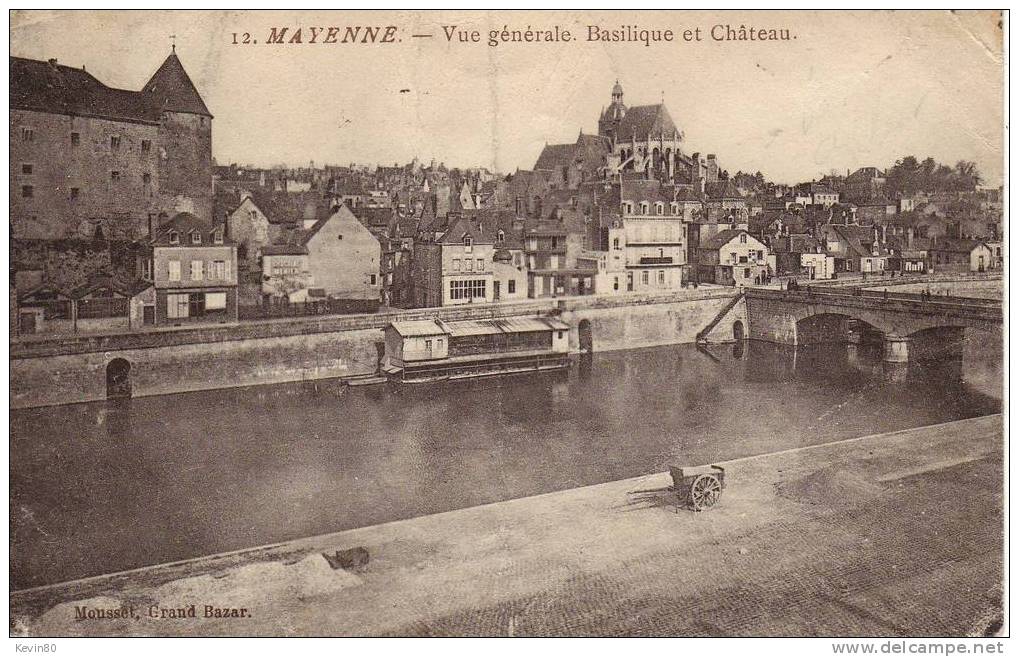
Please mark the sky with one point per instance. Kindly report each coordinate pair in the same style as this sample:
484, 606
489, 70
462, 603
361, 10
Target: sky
848, 89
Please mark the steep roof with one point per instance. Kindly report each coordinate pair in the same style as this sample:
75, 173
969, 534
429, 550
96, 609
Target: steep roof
464, 226
724, 190
555, 156
957, 245
172, 89
184, 224
51, 87
722, 238
643, 121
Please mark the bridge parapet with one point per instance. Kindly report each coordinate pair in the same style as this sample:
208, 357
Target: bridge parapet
976, 308
774, 315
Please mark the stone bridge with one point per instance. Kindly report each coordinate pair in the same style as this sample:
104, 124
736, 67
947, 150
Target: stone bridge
911, 326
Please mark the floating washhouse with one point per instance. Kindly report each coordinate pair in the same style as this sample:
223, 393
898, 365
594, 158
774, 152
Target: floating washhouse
434, 350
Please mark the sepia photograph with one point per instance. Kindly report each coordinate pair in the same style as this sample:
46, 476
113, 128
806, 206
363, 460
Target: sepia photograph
492, 323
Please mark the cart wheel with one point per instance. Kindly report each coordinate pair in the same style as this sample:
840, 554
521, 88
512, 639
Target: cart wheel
705, 491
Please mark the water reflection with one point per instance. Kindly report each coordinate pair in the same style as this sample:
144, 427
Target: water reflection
102, 487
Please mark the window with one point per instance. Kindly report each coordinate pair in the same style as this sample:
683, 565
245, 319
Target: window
114, 176
174, 270
501, 237
26, 169
196, 237
469, 264
456, 264
174, 237
615, 282
470, 289
659, 208
661, 278
215, 300
743, 238
746, 273
114, 142
643, 207
217, 236
481, 264
146, 145
372, 279
428, 345
615, 243
74, 192
644, 277
27, 191
511, 286
760, 254
27, 134
218, 271
197, 270
75, 139
176, 305
468, 242
146, 178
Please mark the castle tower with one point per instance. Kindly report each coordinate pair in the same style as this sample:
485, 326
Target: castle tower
185, 138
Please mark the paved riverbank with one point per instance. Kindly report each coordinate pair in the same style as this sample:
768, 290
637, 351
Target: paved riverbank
883, 535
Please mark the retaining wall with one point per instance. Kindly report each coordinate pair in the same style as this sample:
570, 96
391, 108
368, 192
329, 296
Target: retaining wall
51, 371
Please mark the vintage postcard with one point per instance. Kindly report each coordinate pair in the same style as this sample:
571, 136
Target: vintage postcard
508, 324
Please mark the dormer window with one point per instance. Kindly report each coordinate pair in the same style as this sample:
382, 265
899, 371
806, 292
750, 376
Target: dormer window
659, 208
217, 237
468, 242
501, 237
674, 207
644, 207
196, 237
174, 237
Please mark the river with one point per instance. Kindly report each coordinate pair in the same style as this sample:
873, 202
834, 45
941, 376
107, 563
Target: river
102, 487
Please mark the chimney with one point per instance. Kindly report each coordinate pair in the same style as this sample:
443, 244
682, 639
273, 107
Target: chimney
53, 63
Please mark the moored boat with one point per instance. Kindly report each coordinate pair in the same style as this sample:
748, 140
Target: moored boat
425, 350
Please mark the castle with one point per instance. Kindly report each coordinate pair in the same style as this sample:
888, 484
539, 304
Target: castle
90, 161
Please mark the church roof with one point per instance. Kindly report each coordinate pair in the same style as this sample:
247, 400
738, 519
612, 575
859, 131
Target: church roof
643, 121
172, 89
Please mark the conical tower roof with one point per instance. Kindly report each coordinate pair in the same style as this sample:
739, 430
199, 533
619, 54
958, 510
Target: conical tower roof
172, 90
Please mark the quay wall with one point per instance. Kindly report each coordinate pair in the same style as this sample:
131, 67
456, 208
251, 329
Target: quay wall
51, 371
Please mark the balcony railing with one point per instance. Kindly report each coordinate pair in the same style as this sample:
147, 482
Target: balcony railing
656, 260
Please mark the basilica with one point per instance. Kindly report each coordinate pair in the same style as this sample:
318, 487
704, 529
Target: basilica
640, 141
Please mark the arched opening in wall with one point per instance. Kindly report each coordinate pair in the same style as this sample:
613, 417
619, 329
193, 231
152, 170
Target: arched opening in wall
737, 331
118, 379
833, 342
586, 336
